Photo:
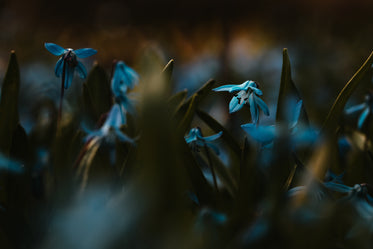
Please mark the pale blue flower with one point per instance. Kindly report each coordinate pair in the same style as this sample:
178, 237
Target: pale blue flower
247, 93
196, 140
365, 107
68, 62
111, 128
124, 78
298, 135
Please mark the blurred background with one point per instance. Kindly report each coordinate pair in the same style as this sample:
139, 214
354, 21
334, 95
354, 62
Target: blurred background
230, 41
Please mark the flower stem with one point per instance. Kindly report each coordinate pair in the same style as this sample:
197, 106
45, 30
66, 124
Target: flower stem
211, 168
62, 94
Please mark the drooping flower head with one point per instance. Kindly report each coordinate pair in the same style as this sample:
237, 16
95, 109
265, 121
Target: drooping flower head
365, 107
124, 78
246, 93
68, 62
196, 140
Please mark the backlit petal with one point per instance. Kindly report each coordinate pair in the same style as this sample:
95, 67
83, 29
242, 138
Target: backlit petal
81, 70
59, 67
84, 52
54, 48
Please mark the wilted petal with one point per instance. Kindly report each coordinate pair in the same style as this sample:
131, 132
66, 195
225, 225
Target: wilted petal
84, 52
262, 134
59, 67
363, 117
81, 70
54, 48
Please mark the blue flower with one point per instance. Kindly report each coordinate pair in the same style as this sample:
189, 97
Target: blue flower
68, 62
365, 107
124, 78
298, 135
248, 93
196, 140
111, 128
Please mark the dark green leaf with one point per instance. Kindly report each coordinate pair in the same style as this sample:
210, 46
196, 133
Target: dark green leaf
217, 127
167, 71
176, 101
9, 104
331, 121
287, 90
188, 117
97, 96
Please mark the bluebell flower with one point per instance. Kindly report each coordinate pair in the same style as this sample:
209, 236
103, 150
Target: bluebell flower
196, 140
68, 62
298, 135
365, 107
111, 128
247, 93
124, 78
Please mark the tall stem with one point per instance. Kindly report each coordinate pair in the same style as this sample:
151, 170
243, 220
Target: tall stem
62, 93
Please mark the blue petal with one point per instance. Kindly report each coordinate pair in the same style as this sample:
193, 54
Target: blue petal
133, 77
81, 70
355, 108
84, 52
341, 188
69, 73
263, 134
54, 48
224, 88
59, 67
234, 105
262, 105
10, 165
123, 137
304, 137
363, 117
115, 118
257, 91
253, 109
244, 86
213, 137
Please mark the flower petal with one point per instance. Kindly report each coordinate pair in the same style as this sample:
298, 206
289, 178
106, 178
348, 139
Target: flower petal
242, 87
59, 67
253, 109
262, 134
338, 187
257, 91
234, 105
54, 48
81, 70
262, 105
69, 73
133, 77
123, 137
355, 108
224, 88
363, 117
84, 52
213, 137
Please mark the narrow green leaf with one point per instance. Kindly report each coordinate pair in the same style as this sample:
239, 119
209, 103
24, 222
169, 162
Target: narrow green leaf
287, 90
217, 127
9, 104
197, 98
175, 101
331, 121
188, 117
97, 98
